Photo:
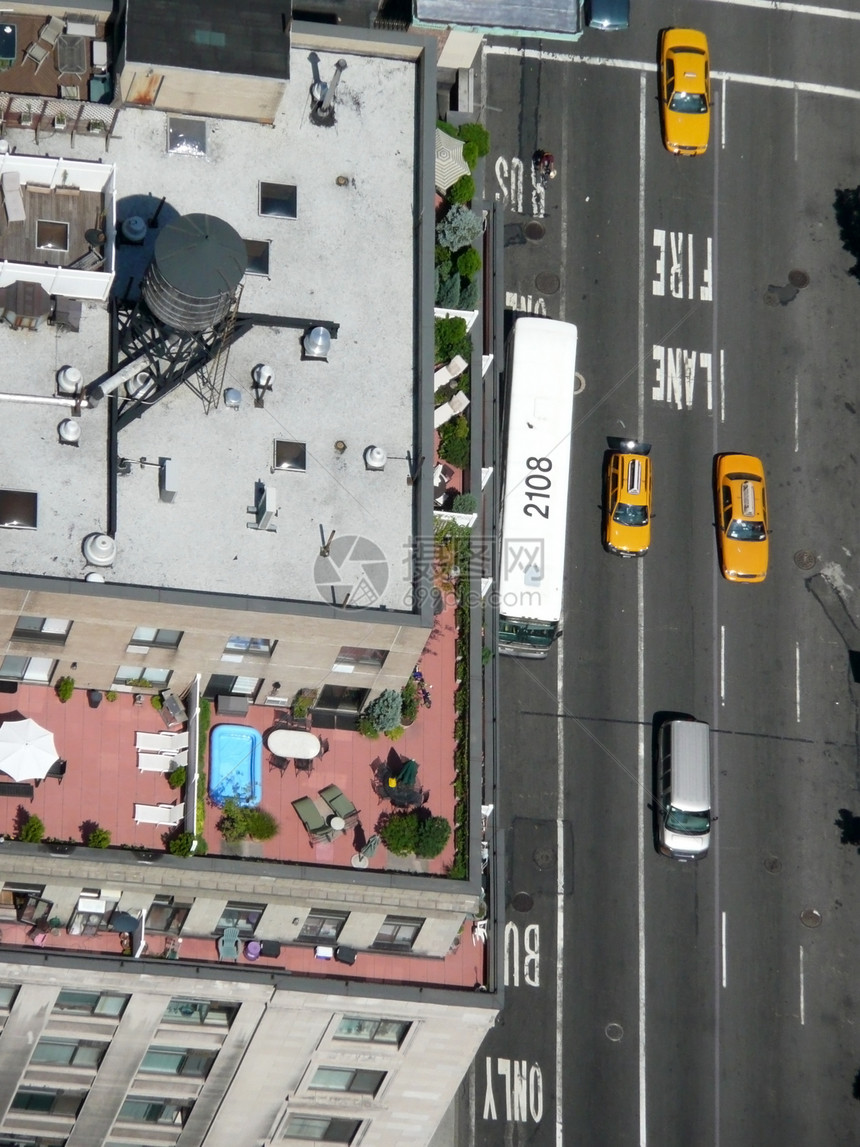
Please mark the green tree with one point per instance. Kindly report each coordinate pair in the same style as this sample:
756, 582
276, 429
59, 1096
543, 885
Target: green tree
260, 824
98, 838
434, 833
460, 227
32, 830
475, 133
400, 833
463, 191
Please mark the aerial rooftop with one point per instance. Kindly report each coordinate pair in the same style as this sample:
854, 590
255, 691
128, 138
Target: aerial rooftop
346, 259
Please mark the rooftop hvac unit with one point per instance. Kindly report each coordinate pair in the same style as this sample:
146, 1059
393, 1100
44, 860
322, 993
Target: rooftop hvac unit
265, 508
99, 549
232, 398
317, 342
375, 458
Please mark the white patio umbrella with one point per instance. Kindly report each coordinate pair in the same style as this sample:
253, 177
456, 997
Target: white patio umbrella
27, 751
450, 164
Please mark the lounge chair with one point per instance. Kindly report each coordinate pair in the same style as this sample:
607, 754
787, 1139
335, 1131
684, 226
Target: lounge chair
167, 814
312, 819
340, 805
154, 762
13, 200
446, 374
51, 31
37, 54
228, 944
165, 742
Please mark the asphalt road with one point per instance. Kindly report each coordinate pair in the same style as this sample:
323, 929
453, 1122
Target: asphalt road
680, 1003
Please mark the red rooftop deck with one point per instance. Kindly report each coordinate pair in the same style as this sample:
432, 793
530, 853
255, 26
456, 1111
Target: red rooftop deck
103, 783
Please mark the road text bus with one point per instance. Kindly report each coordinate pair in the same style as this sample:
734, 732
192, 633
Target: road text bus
541, 367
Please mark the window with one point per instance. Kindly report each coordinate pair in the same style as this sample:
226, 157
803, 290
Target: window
186, 136
91, 1003
129, 674
351, 655
323, 924
178, 1061
355, 1079
47, 629
239, 915
239, 647
35, 669
278, 199
68, 1053
154, 1111
321, 1129
31, 1141
221, 684
26, 900
366, 1029
211, 1013
290, 455
166, 916
8, 992
258, 256
145, 638
43, 1102
52, 235
18, 509
398, 932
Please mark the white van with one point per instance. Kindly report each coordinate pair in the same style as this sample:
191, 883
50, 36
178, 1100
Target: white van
684, 780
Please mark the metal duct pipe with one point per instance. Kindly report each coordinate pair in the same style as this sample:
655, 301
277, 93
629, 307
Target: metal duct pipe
44, 400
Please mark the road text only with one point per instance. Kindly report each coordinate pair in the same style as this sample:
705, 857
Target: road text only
521, 1087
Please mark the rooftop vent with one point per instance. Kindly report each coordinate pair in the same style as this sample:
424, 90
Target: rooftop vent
232, 398
99, 549
69, 380
69, 431
375, 458
93, 576
140, 386
317, 342
263, 376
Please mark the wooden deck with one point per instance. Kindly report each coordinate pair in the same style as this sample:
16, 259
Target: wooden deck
78, 210
23, 78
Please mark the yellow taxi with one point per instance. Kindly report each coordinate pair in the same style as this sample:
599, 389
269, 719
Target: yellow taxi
685, 91
627, 500
741, 505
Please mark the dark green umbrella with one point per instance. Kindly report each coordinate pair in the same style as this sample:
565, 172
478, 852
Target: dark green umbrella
408, 773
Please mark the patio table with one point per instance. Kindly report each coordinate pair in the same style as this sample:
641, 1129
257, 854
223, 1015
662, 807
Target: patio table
71, 55
293, 743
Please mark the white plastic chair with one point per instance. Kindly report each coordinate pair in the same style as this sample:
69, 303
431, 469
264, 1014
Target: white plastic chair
37, 54
52, 30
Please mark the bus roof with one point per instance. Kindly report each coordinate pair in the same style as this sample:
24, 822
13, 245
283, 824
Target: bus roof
539, 425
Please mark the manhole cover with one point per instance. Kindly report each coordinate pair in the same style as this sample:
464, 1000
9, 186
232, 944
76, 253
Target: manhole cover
547, 283
544, 857
810, 917
773, 865
615, 1032
805, 559
798, 279
771, 299
534, 231
522, 902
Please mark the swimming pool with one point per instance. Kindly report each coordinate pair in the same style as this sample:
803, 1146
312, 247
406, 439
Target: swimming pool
236, 765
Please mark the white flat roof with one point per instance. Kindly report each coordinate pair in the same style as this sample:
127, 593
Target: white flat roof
348, 258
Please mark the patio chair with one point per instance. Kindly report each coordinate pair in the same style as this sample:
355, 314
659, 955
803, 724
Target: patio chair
340, 805
57, 770
312, 819
165, 742
37, 54
303, 765
51, 31
228, 945
459, 402
279, 764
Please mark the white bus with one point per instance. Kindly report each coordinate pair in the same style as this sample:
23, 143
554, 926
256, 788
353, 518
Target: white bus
541, 367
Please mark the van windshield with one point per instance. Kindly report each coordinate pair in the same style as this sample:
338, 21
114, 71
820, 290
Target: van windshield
688, 823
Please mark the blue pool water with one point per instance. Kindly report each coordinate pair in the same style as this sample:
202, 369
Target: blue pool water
236, 765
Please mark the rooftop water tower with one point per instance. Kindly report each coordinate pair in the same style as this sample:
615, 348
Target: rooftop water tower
184, 318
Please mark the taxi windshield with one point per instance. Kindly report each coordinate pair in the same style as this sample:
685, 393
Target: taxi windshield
741, 530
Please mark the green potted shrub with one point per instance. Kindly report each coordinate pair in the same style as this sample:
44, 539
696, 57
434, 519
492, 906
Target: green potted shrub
98, 838
32, 830
187, 844
400, 833
434, 833
111, 695
156, 702
409, 702
385, 711
260, 824
176, 777
64, 688
303, 702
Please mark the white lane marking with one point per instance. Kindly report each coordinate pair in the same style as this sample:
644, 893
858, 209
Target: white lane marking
722, 665
802, 994
797, 680
723, 114
796, 414
640, 666
559, 904
802, 9
723, 943
796, 109
722, 384
647, 66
